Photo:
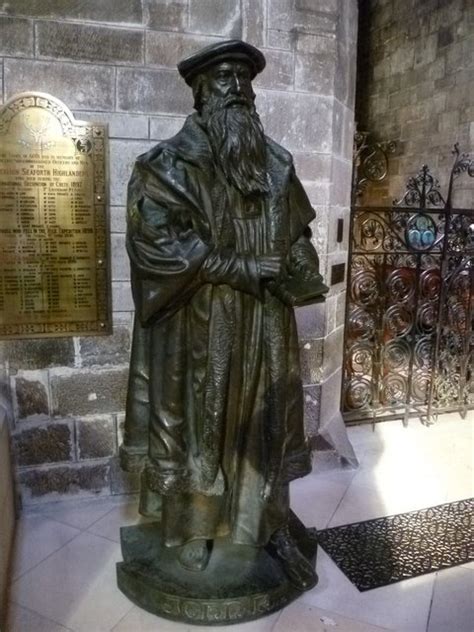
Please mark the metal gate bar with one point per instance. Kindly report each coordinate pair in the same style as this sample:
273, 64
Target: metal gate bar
409, 333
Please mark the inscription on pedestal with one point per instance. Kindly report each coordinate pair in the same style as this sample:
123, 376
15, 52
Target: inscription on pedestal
239, 584
54, 272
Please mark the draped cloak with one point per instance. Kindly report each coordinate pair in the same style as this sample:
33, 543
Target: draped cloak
215, 401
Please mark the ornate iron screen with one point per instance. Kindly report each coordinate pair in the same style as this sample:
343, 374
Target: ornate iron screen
409, 342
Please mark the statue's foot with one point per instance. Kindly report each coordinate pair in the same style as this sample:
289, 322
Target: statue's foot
299, 570
194, 555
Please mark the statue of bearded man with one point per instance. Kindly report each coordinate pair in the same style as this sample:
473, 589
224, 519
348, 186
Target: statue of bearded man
220, 253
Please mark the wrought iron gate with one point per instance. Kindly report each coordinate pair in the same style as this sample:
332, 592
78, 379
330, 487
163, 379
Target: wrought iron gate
409, 341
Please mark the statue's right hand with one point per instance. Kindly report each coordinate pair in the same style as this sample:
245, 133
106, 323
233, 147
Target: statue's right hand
271, 267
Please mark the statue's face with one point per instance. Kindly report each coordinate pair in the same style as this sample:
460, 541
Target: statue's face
231, 79
224, 99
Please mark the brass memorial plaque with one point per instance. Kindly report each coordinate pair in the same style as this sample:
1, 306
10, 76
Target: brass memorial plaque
54, 263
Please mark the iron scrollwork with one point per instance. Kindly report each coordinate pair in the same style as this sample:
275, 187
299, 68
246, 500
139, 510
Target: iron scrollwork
409, 339
370, 160
422, 191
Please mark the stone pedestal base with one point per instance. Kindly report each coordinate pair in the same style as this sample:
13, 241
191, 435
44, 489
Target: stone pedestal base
239, 584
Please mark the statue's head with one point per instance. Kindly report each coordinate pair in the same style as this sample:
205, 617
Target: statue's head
221, 78
224, 69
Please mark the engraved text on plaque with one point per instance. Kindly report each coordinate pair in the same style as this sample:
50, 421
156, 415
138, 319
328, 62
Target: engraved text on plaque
54, 272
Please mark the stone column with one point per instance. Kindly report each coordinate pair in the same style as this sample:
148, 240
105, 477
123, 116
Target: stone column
306, 101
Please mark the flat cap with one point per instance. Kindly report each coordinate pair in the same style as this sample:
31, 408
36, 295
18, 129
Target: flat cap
235, 50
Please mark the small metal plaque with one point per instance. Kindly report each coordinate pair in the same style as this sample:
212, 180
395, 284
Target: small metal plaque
54, 252
338, 272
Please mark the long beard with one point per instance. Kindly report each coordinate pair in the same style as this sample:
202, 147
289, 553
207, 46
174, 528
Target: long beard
238, 143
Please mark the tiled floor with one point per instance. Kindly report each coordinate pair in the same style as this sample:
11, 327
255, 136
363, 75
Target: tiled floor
64, 571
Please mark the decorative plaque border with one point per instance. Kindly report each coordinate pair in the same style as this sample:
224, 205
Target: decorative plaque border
90, 145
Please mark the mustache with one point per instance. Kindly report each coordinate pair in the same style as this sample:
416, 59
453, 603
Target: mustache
216, 104
233, 99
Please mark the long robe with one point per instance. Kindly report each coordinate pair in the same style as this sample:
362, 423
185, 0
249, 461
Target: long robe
215, 407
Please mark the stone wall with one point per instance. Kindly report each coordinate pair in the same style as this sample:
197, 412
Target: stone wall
115, 61
7, 531
415, 86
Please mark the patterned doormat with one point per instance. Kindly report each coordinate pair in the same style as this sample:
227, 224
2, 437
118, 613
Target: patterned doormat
386, 550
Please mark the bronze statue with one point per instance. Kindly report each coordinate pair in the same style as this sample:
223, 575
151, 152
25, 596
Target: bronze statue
220, 252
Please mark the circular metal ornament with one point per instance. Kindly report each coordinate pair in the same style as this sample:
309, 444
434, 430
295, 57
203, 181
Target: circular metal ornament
372, 233
426, 318
365, 288
460, 285
361, 358
423, 352
394, 389
401, 285
458, 317
420, 232
420, 386
361, 324
398, 321
430, 284
358, 394
396, 355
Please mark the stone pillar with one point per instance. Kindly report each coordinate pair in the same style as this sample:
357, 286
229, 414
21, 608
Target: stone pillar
7, 503
306, 101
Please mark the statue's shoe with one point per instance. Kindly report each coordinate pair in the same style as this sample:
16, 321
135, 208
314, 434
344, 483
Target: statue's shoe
194, 555
299, 570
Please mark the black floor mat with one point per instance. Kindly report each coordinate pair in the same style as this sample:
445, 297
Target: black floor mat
386, 550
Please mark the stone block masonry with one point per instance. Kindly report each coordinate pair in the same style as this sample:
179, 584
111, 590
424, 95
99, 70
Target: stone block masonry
114, 61
415, 87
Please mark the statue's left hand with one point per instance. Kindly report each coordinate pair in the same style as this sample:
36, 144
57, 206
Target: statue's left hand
271, 267
266, 492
